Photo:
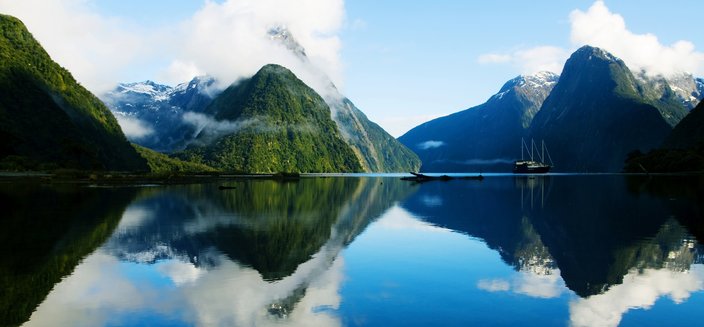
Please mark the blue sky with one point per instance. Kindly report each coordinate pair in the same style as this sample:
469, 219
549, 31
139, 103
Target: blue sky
401, 62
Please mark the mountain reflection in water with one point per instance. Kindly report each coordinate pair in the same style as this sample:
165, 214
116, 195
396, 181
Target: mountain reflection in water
619, 243
333, 251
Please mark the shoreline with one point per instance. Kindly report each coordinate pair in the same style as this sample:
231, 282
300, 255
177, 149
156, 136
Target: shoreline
134, 179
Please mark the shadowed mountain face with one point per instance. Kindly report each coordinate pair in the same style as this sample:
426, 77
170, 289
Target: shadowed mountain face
47, 119
689, 132
45, 232
486, 137
594, 230
682, 150
597, 113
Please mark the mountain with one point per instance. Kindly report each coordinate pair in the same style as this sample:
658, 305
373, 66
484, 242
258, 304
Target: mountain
674, 97
682, 150
47, 119
687, 89
271, 122
689, 132
165, 120
374, 147
157, 110
68, 223
485, 137
598, 112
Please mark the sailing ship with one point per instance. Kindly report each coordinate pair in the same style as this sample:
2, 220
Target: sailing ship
533, 166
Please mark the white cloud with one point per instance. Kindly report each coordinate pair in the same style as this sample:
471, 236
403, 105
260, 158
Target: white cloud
430, 144
133, 217
102, 289
133, 127
600, 27
397, 218
494, 285
494, 58
638, 291
530, 60
542, 286
180, 272
229, 40
358, 24
95, 49
180, 72
226, 39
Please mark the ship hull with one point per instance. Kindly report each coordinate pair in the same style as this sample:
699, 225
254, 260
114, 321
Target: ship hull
530, 168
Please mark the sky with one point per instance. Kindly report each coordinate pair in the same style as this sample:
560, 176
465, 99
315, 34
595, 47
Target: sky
401, 62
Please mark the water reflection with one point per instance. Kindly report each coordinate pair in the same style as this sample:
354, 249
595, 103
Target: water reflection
618, 243
194, 255
45, 231
553, 250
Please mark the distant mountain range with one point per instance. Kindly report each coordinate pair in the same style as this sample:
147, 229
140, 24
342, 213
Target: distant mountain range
155, 111
590, 118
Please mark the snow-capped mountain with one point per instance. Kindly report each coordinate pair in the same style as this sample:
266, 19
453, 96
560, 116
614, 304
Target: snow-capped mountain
151, 114
686, 88
283, 36
483, 137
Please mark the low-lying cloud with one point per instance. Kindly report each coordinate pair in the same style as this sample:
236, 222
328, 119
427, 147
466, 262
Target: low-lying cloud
134, 128
207, 128
430, 145
206, 125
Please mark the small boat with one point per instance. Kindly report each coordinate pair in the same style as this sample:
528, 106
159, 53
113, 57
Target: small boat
533, 166
418, 177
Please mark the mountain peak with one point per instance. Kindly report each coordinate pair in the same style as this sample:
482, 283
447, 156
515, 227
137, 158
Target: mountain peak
541, 82
273, 69
148, 88
282, 35
537, 80
590, 53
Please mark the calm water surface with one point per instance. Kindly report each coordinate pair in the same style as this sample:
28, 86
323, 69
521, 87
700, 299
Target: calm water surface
357, 251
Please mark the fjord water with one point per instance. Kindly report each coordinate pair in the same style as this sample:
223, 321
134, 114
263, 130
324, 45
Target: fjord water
356, 251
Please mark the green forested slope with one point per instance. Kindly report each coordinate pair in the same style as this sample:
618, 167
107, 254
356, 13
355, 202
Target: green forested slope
47, 119
272, 122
